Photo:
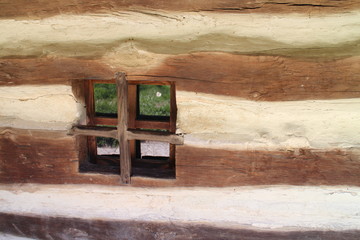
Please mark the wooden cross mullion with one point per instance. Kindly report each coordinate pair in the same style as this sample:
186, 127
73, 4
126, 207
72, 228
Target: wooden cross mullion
122, 133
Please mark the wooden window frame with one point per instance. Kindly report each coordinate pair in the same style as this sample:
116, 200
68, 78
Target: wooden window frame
127, 130
136, 123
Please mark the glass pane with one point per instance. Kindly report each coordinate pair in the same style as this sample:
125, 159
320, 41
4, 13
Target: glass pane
107, 146
154, 149
154, 100
105, 97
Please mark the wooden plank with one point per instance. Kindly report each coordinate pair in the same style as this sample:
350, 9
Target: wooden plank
28, 154
260, 78
41, 227
50, 70
44, 156
220, 168
53, 157
96, 131
42, 9
155, 136
125, 158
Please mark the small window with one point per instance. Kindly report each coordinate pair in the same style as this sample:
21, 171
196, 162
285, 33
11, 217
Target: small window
151, 114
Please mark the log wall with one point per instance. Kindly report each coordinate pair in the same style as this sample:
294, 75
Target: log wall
267, 92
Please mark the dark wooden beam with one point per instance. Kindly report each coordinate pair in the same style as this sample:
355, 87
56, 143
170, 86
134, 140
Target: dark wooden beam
62, 228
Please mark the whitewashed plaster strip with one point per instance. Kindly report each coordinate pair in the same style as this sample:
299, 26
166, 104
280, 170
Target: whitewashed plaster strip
255, 32
218, 121
262, 207
51, 107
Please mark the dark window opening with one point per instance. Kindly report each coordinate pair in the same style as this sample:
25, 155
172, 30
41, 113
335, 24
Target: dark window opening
154, 159
103, 156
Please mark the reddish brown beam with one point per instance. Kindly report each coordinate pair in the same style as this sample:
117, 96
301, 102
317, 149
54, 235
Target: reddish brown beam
42, 9
260, 78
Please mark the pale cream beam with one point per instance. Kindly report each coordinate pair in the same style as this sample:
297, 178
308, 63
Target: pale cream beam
263, 207
211, 121
257, 31
51, 107
216, 121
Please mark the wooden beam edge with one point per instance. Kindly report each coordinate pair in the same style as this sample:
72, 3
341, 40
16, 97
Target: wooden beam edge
155, 136
93, 131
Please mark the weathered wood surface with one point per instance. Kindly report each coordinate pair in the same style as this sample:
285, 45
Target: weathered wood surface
52, 157
42, 8
300, 167
122, 126
50, 71
154, 136
27, 154
49, 228
43, 157
94, 131
265, 78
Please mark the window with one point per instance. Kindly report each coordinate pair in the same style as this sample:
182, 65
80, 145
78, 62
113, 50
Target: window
131, 128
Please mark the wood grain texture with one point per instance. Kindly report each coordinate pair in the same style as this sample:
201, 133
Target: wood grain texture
96, 131
50, 71
52, 157
44, 157
260, 78
122, 126
210, 167
264, 78
42, 227
40, 154
44, 8
155, 136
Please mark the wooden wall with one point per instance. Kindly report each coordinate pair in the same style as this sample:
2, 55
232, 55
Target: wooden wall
70, 228
52, 157
222, 55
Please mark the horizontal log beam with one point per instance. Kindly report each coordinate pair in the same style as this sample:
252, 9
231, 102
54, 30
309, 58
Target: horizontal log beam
41, 227
96, 131
42, 9
109, 132
53, 157
261, 78
155, 136
221, 168
44, 71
